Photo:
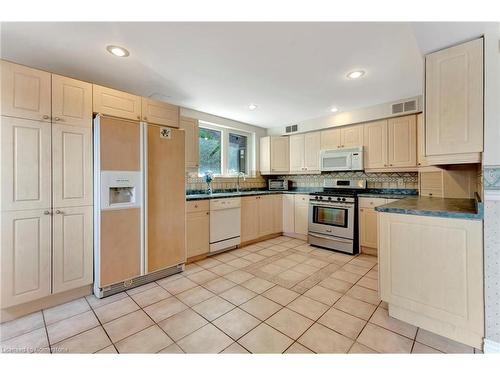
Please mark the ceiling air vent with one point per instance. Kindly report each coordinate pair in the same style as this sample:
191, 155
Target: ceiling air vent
291, 128
409, 106
398, 108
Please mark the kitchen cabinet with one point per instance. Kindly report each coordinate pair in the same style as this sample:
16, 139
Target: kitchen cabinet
191, 129
25, 92
260, 216
197, 228
402, 132
159, 113
454, 104
288, 213
431, 274
274, 155
71, 165
116, 103
266, 214
26, 256
71, 101
26, 164
375, 145
330, 139
351, 136
278, 213
421, 160
452, 182
301, 214
249, 218
304, 153
72, 248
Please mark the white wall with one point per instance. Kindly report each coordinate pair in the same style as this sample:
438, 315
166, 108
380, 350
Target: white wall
257, 132
375, 112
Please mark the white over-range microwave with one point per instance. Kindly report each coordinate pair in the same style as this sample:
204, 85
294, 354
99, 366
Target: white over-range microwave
346, 159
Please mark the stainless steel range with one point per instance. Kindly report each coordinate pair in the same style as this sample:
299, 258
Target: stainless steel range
333, 218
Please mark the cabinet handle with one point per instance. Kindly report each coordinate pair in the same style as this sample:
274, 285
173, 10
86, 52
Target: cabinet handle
45, 117
59, 212
46, 212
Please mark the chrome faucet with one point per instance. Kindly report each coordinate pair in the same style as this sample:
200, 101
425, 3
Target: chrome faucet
240, 174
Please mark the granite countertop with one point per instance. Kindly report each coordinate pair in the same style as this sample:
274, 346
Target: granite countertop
439, 207
388, 193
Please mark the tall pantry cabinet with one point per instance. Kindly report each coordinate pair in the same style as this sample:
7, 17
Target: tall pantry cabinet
46, 184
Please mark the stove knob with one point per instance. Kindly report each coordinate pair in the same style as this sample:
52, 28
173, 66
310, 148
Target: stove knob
329, 198
316, 197
338, 199
320, 198
343, 199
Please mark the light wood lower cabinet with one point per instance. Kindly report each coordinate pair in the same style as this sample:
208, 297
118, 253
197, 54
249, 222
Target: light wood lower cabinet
288, 213
260, 216
266, 215
26, 256
431, 274
72, 244
301, 212
249, 218
368, 227
278, 213
197, 228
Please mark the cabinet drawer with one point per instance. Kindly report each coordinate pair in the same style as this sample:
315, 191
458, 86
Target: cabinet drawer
196, 206
431, 193
301, 199
371, 202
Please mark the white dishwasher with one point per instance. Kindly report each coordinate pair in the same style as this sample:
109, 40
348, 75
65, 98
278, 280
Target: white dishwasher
225, 223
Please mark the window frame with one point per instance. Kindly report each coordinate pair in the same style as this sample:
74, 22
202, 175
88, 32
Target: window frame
250, 159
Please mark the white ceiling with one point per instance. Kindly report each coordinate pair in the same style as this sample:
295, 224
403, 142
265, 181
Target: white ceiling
292, 71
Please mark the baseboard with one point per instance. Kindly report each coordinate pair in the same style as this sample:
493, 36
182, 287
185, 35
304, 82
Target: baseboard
491, 346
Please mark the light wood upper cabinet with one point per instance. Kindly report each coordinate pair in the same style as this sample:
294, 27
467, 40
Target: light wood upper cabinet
160, 113
71, 165
402, 133
72, 248
421, 160
249, 218
71, 101
330, 139
197, 228
288, 213
301, 212
274, 155
25, 92
454, 102
25, 255
297, 153
304, 152
26, 164
375, 144
351, 136
191, 128
116, 103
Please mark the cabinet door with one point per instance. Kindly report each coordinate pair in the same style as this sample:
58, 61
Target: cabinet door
301, 214
454, 100
166, 205
26, 250
190, 127
71, 101
288, 213
278, 213
266, 215
280, 161
311, 151
72, 248
25, 168
402, 141
160, 113
25, 92
71, 165
297, 153
197, 233
351, 136
330, 139
265, 155
368, 227
249, 218
421, 161
116, 103
375, 142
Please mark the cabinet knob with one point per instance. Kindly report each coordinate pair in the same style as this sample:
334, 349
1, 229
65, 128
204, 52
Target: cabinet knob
45, 117
145, 118
362, 210
195, 206
56, 118
138, 117
46, 212
419, 163
59, 212
208, 212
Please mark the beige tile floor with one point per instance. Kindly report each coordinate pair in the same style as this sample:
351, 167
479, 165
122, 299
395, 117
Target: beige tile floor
276, 296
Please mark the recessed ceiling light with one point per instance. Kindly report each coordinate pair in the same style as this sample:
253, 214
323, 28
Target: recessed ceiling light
356, 74
334, 109
252, 107
118, 51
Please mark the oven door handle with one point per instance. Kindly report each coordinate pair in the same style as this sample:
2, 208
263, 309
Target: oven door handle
332, 205
329, 237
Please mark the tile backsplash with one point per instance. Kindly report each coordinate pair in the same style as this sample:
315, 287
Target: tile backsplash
225, 183
393, 180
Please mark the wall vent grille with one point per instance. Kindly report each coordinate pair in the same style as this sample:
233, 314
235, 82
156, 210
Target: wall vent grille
291, 129
403, 107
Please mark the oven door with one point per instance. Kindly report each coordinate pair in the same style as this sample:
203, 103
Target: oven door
336, 161
334, 219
